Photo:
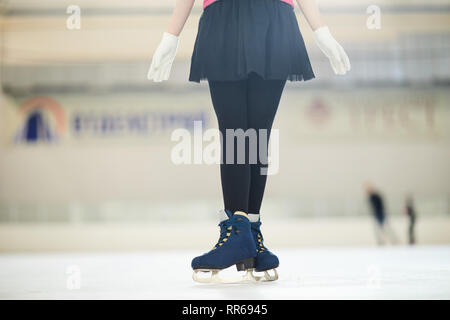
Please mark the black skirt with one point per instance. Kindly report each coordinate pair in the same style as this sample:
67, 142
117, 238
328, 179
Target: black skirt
238, 37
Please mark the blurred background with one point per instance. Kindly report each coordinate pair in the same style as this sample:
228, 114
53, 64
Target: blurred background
85, 138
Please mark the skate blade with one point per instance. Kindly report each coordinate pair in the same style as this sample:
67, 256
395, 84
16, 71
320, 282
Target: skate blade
267, 276
215, 277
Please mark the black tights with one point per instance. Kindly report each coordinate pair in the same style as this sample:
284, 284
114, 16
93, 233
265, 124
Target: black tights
246, 104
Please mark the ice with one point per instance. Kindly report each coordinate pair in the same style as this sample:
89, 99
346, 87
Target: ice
421, 272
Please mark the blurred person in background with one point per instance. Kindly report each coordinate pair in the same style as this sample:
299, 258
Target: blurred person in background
383, 231
410, 212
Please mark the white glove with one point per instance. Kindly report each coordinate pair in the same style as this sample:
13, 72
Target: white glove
333, 50
163, 58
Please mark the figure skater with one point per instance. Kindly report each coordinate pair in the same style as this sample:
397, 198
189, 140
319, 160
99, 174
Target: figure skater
246, 50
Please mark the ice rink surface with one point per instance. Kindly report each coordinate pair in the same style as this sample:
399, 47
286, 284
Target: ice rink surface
322, 273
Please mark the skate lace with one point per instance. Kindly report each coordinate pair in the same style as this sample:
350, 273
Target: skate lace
225, 232
259, 239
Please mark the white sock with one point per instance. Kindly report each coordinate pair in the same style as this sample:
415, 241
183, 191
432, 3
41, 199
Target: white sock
253, 217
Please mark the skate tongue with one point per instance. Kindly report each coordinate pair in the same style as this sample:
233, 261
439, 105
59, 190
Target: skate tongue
224, 215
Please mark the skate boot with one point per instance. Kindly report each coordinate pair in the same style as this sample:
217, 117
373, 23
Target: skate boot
265, 260
235, 247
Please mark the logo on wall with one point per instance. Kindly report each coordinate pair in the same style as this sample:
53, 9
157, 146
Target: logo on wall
43, 121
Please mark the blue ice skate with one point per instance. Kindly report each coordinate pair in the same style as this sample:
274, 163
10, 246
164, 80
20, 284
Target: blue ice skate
235, 247
265, 260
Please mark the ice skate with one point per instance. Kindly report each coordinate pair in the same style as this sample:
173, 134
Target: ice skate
265, 260
235, 247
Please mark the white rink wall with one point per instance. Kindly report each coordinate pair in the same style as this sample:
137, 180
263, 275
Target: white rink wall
278, 233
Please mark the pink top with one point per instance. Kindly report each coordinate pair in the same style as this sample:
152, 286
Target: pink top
208, 2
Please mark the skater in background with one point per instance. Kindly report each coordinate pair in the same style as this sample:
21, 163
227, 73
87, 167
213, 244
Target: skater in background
383, 231
246, 50
410, 212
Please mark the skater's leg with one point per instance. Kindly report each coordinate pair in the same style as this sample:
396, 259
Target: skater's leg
379, 234
230, 104
411, 231
263, 100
